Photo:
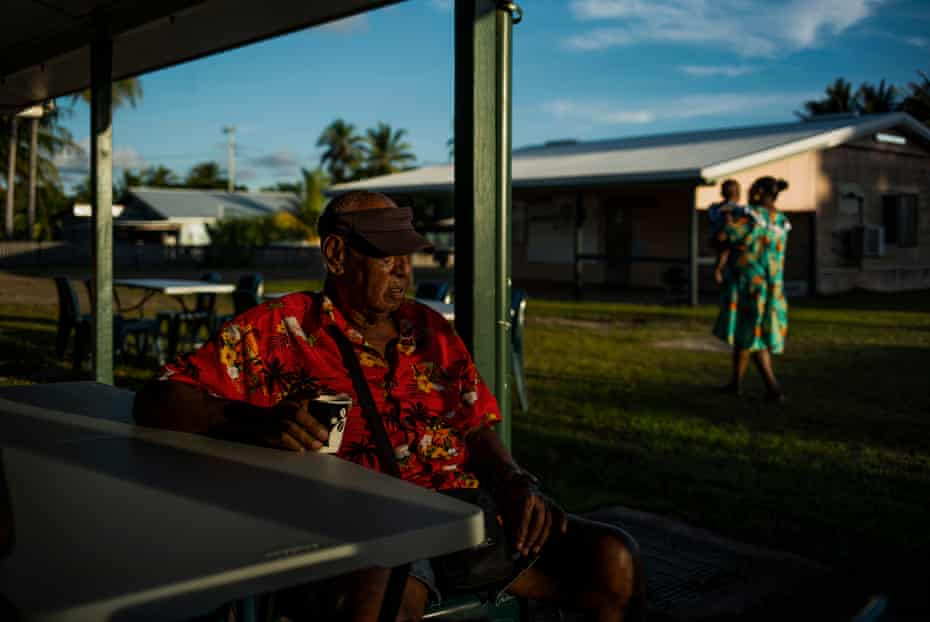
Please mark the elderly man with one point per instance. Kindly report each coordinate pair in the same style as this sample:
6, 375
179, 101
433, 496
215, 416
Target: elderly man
252, 381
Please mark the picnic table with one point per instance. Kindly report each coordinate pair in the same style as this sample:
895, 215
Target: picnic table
100, 518
177, 288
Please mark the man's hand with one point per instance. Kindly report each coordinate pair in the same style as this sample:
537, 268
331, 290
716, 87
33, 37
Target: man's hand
288, 426
718, 276
531, 516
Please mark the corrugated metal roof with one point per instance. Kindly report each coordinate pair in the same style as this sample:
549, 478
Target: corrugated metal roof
175, 203
702, 155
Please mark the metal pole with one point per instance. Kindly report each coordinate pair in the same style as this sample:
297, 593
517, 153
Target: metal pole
101, 173
693, 250
503, 338
577, 245
11, 180
230, 159
482, 191
33, 165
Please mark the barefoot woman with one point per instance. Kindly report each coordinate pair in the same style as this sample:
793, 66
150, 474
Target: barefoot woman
753, 313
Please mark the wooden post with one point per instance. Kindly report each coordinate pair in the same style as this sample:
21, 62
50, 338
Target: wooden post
693, 250
482, 191
33, 165
101, 184
813, 259
11, 180
578, 244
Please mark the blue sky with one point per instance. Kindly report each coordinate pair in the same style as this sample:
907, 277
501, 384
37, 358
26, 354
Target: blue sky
582, 69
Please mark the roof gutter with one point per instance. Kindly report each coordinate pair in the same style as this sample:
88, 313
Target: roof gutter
825, 140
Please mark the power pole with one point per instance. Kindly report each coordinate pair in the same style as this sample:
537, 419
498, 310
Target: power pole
230, 159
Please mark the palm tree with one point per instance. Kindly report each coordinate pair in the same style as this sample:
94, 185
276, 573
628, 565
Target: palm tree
917, 102
205, 175
159, 177
128, 91
871, 99
386, 151
311, 186
838, 99
52, 138
344, 150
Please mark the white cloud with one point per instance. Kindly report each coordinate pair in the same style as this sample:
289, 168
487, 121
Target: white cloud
282, 162
599, 113
919, 42
688, 107
750, 28
348, 25
76, 160
729, 71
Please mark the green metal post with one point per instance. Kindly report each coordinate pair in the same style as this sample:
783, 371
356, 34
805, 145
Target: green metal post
482, 191
503, 343
101, 183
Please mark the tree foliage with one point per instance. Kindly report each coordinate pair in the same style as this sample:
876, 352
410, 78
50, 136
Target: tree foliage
838, 98
386, 151
128, 91
872, 99
344, 150
917, 102
313, 184
51, 203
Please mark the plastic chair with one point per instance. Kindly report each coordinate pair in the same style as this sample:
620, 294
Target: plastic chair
69, 319
434, 290
145, 332
202, 316
248, 292
518, 300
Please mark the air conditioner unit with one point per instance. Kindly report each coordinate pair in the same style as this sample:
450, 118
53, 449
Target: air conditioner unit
873, 240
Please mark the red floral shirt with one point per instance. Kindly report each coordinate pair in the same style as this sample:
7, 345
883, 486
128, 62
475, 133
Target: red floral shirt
427, 390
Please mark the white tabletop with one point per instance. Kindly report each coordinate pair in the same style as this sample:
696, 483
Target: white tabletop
109, 518
446, 310
176, 287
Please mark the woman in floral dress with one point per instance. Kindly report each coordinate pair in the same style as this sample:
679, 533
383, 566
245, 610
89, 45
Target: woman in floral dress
753, 312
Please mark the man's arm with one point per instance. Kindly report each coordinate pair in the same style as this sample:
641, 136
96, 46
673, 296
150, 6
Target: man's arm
185, 408
531, 515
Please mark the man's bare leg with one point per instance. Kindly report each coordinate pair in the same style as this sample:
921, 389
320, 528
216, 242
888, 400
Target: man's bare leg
593, 568
361, 594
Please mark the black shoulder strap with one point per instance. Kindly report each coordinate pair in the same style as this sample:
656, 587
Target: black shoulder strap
366, 401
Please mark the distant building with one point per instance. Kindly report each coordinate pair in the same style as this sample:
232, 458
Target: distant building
180, 216
624, 211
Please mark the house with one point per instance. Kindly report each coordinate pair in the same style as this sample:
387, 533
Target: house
180, 216
622, 212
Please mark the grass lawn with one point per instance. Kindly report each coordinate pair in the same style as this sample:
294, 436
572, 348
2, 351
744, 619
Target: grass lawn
841, 473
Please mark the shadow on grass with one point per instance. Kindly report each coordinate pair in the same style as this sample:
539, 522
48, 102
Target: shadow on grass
874, 396
862, 300
32, 319
872, 528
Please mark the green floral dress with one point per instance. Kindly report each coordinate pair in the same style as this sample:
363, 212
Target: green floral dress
753, 311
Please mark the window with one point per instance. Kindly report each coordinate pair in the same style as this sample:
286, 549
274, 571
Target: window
900, 219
